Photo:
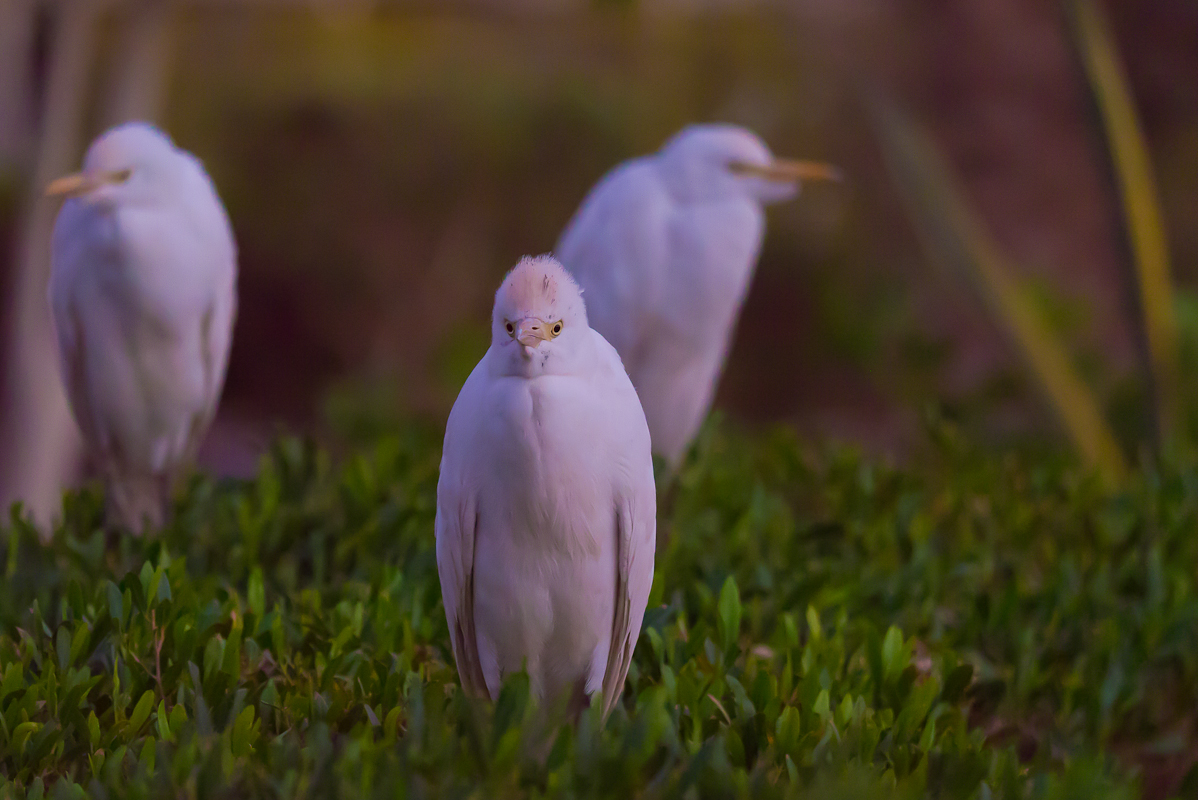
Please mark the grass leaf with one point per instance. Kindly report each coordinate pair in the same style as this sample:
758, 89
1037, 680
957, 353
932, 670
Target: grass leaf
1143, 220
955, 237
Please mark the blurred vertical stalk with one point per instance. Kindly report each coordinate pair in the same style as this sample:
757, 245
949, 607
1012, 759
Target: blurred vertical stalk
38, 442
139, 76
18, 19
1141, 226
953, 236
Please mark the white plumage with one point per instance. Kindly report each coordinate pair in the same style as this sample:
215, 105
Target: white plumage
664, 247
546, 505
143, 295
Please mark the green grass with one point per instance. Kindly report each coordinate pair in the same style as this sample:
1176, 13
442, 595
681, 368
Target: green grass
822, 626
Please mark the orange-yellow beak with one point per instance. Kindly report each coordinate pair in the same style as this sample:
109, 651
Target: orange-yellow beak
781, 169
531, 331
82, 183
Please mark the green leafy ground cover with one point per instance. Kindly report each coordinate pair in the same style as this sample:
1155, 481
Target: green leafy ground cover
821, 626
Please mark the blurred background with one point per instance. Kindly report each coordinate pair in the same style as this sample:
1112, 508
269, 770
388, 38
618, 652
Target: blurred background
384, 163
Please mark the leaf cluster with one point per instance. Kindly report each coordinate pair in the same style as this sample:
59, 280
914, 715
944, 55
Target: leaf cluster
821, 626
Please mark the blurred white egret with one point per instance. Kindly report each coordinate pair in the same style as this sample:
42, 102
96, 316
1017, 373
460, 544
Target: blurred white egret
664, 247
546, 506
143, 295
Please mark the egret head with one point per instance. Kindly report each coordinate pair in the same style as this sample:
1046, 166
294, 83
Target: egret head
539, 325
131, 163
713, 162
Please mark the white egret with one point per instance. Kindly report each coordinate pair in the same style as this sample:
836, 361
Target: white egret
546, 506
143, 295
664, 247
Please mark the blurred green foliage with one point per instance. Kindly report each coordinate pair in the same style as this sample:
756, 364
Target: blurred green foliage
820, 626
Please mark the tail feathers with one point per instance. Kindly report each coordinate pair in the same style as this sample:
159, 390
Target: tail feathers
564, 707
579, 700
138, 503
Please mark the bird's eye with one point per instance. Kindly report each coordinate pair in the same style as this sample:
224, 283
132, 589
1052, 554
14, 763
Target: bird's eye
557, 328
511, 329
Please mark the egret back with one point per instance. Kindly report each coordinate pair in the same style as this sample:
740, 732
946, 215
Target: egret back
616, 248
664, 280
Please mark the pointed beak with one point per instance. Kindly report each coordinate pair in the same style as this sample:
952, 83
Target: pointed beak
781, 169
82, 183
531, 331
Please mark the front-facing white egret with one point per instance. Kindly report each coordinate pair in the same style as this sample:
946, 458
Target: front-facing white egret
664, 247
546, 506
143, 295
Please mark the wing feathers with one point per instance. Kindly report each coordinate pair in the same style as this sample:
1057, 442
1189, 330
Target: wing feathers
457, 526
635, 540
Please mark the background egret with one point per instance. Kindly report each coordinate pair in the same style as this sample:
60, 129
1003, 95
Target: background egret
143, 295
664, 247
546, 506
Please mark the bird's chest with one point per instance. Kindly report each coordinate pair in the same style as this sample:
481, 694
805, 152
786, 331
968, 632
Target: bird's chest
713, 250
549, 485
156, 273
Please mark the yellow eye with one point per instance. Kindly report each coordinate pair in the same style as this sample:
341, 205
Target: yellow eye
557, 328
511, 329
